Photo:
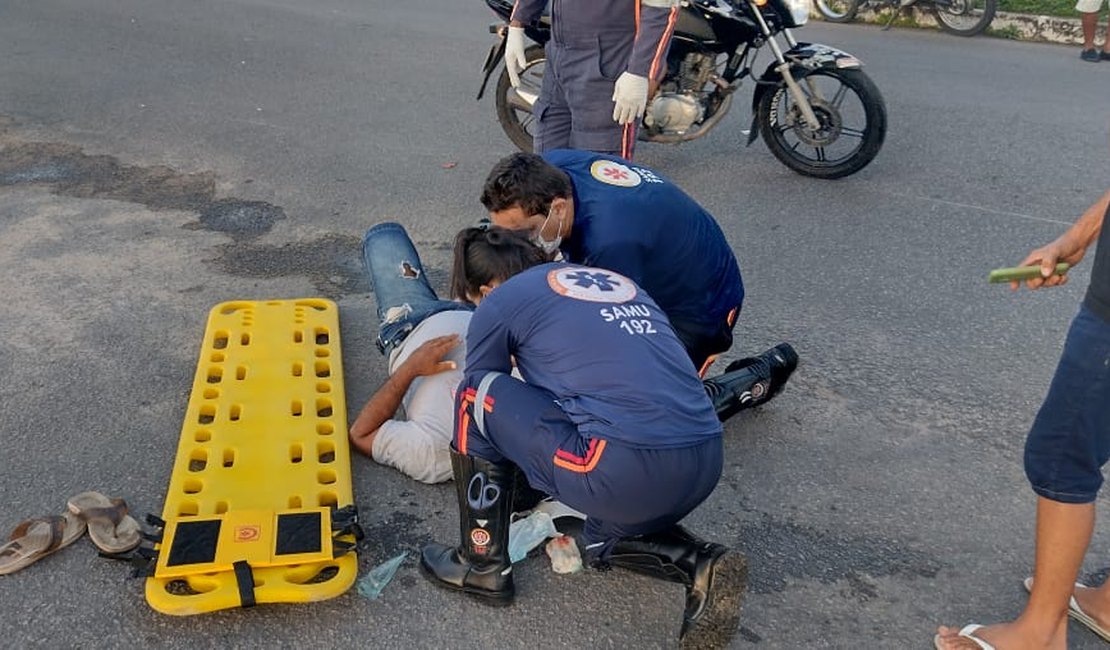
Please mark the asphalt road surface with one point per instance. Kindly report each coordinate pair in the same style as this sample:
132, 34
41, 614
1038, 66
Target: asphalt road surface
159, 157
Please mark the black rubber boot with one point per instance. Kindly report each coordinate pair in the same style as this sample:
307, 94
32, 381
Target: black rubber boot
480, 565
715, 578
752, 381
525, 497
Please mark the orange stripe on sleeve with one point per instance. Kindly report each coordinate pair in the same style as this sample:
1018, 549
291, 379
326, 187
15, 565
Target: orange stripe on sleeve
658, 58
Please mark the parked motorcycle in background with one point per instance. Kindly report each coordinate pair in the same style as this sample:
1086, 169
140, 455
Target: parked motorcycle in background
817, 110
959, 17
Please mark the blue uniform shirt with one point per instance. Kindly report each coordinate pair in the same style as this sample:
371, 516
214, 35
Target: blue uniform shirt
632, 220
602, 347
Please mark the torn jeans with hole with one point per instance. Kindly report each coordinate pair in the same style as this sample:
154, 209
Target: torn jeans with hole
401, 288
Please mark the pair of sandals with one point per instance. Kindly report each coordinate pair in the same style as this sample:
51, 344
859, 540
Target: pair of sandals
1074, 611
109, 526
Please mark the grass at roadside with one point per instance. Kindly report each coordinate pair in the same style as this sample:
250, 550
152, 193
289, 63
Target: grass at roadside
1040, 7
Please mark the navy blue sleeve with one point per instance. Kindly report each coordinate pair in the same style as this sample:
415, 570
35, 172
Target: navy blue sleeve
489, 346
527, 11
654, 27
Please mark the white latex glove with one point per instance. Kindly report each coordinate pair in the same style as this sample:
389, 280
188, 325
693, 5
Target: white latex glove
630, 97
514, 54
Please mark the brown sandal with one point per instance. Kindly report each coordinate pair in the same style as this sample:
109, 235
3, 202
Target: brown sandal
36, 538
112, 530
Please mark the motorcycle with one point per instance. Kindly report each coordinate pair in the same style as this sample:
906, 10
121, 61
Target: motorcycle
817, 110
959, 17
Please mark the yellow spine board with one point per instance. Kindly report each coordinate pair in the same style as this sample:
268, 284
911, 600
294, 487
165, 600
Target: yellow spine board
265, 433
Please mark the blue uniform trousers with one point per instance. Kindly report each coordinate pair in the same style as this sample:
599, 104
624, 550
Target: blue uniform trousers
623, 490
575, 106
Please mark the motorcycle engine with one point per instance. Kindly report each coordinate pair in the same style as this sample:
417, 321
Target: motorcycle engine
678, 106
673, 113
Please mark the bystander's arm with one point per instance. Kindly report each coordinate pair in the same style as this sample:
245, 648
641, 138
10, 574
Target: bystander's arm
1069, 247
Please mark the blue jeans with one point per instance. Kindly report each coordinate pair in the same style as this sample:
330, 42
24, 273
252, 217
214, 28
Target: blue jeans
401, 288
1070, 438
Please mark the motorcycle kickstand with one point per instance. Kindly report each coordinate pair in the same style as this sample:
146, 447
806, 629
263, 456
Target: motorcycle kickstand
893, 16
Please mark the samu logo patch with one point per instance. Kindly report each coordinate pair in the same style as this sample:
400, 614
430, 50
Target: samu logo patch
590, 284
613, 173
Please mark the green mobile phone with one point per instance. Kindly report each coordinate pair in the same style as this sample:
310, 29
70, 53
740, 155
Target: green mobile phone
1020, 273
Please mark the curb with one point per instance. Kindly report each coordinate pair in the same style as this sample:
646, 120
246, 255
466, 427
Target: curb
1021, 27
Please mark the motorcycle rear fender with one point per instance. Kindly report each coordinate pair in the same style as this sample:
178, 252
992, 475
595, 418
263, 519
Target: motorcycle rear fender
804, 58
496, 54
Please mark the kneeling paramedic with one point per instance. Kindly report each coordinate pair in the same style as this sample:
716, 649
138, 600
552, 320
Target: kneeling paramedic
613, 421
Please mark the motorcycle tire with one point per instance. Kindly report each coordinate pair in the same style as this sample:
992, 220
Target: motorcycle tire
954, 22
871, 135
837, 11
508, 113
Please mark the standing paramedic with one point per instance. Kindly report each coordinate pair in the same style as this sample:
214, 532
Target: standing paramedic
613, 421
600, 61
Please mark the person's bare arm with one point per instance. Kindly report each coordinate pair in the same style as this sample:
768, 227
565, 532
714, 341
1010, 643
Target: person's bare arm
1069, 247
425, 360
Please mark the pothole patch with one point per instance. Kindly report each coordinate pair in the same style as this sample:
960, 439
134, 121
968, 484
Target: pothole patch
240, 218
333, 263
68, 171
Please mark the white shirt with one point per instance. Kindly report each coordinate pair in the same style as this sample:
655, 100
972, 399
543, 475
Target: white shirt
420, 445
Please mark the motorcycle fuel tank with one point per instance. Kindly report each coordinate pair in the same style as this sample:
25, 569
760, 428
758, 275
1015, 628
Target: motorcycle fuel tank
692, 24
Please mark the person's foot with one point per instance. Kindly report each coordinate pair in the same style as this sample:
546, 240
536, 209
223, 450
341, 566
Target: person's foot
1090, 55
1002, 636
1092, 605
1104, 55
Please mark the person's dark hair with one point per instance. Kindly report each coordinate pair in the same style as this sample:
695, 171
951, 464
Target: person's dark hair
485, 254
527, 180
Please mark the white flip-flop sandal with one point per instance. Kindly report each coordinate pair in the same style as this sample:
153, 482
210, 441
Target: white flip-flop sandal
968, 632
1077, 613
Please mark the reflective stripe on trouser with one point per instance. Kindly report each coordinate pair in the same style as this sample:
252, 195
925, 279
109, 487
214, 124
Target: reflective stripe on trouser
623, 490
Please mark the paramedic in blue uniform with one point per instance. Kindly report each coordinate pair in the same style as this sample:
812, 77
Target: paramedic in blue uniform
613, 421
600, 211
600, 61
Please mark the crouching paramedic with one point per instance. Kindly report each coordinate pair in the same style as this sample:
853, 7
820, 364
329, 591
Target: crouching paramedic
613, 421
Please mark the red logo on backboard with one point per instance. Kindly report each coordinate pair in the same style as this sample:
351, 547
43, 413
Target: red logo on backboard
248, 533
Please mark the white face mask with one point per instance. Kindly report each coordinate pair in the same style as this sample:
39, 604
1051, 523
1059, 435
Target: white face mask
548, 246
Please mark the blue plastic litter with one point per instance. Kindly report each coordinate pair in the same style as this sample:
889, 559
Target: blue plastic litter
528, 533
373, 583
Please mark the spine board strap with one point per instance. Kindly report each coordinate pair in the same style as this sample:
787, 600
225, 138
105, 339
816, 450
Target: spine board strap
245, 579
344, 521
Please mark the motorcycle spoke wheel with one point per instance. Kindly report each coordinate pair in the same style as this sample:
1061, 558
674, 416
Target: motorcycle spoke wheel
514, 105
851, 123
964, 17
837, 11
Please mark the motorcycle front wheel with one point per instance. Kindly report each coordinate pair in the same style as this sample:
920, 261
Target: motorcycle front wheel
514, 105
964, 17
851, 120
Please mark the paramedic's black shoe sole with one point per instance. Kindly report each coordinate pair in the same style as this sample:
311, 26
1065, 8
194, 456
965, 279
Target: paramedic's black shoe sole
719, 621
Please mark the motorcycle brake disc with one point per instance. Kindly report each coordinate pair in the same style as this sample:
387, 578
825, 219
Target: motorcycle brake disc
828, 117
